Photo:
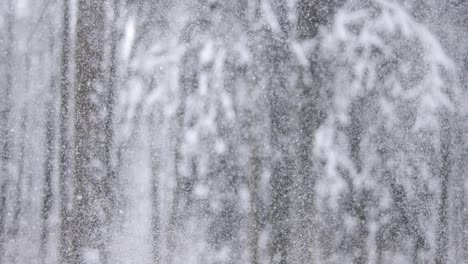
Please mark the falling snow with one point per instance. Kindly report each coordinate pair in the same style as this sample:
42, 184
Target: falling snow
242, 131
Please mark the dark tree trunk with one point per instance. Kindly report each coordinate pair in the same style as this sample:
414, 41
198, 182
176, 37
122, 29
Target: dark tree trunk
256, 160
309, 121
445, 169
18, 207
355, 133
5, 130
254, 218
109, 182
48, 171
66, 250
49, 159
182, 188
282, 166
464, 170
155, 159
90, 227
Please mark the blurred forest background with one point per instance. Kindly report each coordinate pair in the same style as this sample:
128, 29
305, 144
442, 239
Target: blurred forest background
242, 131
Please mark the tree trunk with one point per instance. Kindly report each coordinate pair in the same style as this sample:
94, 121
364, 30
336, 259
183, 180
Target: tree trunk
155, 158
445, 169
18, 207
355, 133
66, 250
282, 157
180, 194
464, 186
90, 227
48, 171
5, 108
309, 121
254, 181
50, 136
109, 182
